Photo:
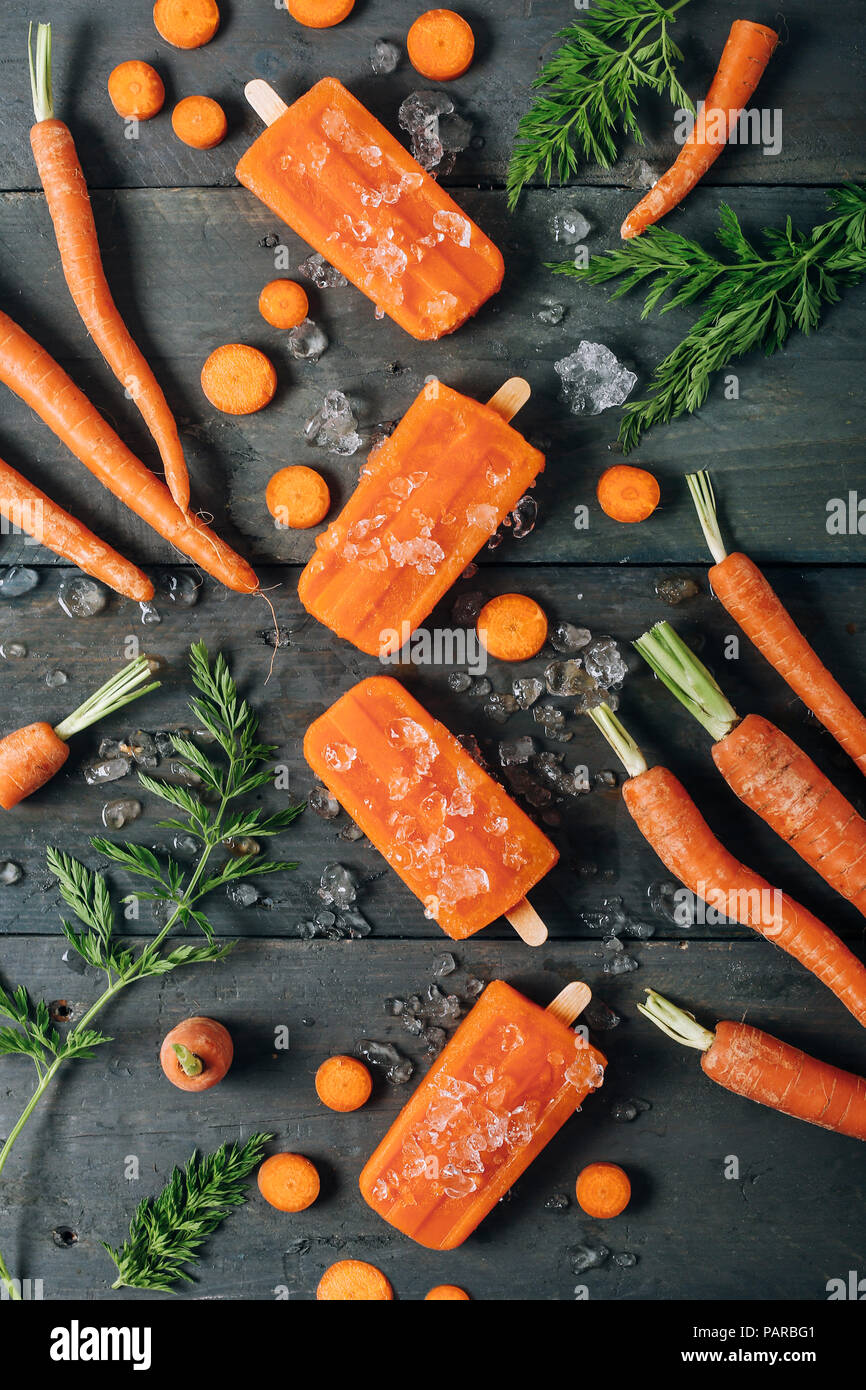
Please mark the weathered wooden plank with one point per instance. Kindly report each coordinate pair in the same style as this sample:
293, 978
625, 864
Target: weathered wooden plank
695, 1233
315, 668
187, 269
815, 79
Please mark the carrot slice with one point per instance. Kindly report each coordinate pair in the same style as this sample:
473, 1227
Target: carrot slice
238, 379
136, 90
288, 1182
512, 627
603, 1190
284, 303
199, 122
186, 23
447, 1293
354, 1281
628, 494
441, 45
320, 14
343, 1083
298, 497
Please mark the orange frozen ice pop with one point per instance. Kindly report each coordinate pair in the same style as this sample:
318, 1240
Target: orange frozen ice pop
427, 500
451, 833
505, 1084
344, 184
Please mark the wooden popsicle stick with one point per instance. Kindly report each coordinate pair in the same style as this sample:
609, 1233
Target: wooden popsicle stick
570, 1002
527, 923
511, 396
267, 105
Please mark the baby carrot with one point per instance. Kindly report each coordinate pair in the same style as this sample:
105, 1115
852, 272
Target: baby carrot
320, 14
512, 627
354, 1281
441, 45
603, 1190
447, 1293
761, 1068
343, 1083
136, 90
284, 303
186, 23
626, 493
199, 122
288, 1182
744, 58
298, 497
238, 379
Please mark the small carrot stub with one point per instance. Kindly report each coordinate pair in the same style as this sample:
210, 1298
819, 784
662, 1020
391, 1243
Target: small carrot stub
628, 494
136, 90
196, 1054
354, 1281
199, 122
186, 23
512, 627
603, 1190
29, 758
441, 45
343, 1083
284, 303
289, 1182
238, 379
447, 1293
298, 497
320, 14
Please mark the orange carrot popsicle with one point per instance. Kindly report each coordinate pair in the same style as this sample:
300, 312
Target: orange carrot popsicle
451, 833
427, 500
344, 184
505, 1084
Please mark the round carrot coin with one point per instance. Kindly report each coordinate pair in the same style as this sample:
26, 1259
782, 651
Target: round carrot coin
343, 1083
512, 627
238, 379
627, 493
354, 1281
284, 303
603, 1190
441, 45
199, 122
136, 90
186, 23
288, 1182
320, 14
447, 1293
298, 497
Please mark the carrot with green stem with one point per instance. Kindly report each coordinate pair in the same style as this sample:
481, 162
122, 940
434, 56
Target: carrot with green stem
767, 770
31, 756
757, 609
69, 205
746, 54
672, 825
753, 1064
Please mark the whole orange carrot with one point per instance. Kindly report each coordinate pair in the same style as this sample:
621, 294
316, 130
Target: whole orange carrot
72, 216
753, 1064
744, 58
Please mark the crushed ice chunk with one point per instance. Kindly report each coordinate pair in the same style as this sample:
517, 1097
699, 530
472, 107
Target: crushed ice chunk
516, 750
13, 651
307, 341
550, 313
567, 678
527, 690
593, 379
603, 661
17, 581
99, 770
334, 426
454, 225
179, 587
570, 227
81, 597
384, 57
242, 894
522, 520
437, 131
323, 803
588, 1257
323, 275
338, 885
676, 588
460, 682
567, 639
10, 872
386, 1058
340, 756
56, 678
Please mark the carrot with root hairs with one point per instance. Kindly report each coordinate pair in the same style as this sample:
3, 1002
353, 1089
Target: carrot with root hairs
746, 54
43, 385
753, 604
767, 770
28, 508
72, 216
753, 1064
672, 825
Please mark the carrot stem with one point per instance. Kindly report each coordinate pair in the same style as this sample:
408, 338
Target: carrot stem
681, 1026
40, 72
123, 687
189, 1063
619, 738
704, 499
688, 679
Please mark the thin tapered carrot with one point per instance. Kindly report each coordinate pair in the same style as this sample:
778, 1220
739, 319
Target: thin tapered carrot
767, 770
753, 1064
69, 205
29, 371
671, 823
745, 56
753, 604
28, 508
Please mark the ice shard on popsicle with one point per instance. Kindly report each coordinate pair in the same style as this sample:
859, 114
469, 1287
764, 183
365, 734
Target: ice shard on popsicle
505, 1084
427, 500
344, 184
451, 833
